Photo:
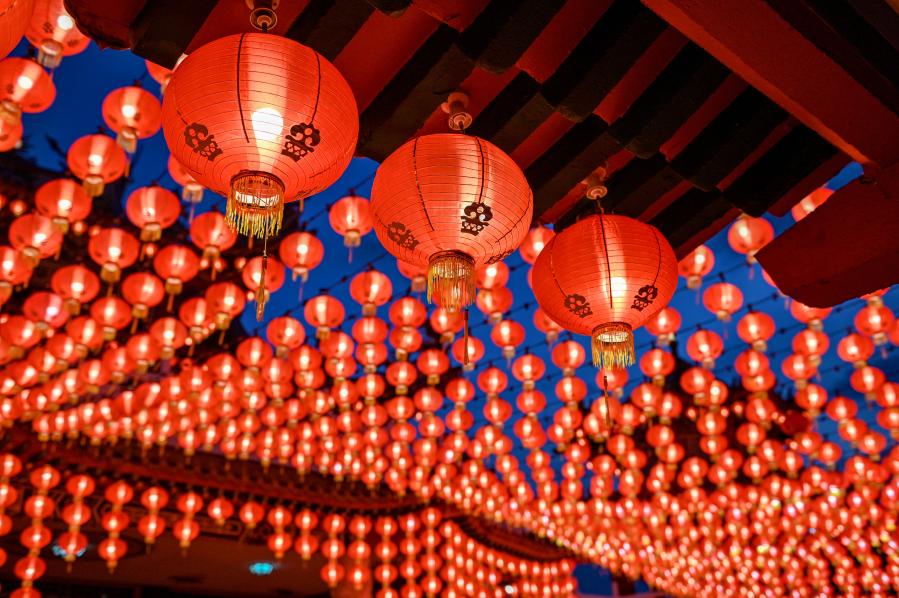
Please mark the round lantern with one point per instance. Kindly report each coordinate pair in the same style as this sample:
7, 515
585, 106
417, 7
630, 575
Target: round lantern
452, 202
723, 299
534, 242
262, 120
133, 113
10, 135
152, 209
604, 276
52, 31
351, 218
63, 201
15, 15
747, 235
695, 265
810, 203
24, 87
96, 160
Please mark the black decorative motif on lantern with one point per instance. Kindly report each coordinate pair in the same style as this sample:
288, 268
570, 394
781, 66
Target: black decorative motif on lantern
197, 137
301, 140
475, 217
399, 234
578, 305
644, 297
47, 26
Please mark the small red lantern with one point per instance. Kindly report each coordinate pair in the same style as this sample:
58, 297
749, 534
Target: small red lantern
63, 201
53, 32
534, 242
24, 87
756, 328
747, 235
96, 160
723, 299
133, 113
695, 265
301, 252
152, 209
351, 217
810, 203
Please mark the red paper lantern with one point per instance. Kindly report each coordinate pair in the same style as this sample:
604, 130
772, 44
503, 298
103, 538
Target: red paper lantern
301, 252
133, 113
36, 237
756, 328
63, 201
210, 233
53, 32
152, 209
371, 289
260, 119
96, 160
10, 134
604, 276
24, 87
351, 218
534, 242
15, 15
810, 203
723, 299
695, 265
191, 190
747, 235
76, 285
452, 202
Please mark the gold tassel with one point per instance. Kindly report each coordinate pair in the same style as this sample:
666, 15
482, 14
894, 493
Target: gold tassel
255, 205
451, 280
613, 345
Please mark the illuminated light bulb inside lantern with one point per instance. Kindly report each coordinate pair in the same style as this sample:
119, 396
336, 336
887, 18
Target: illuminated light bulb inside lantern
65, 22
95, 160
267, 124
24, 82
619, 287
64, 205
129, 110
115, 252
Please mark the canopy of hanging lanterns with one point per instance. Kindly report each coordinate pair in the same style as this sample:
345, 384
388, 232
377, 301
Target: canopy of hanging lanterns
163, 380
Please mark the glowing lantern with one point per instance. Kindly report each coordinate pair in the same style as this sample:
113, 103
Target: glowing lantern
811, 343
24, 87
592, 279
133, 113
695, 265
63, 201
810, 203
210, 233
534, 242
546, 325
874, 321
435, 204
227, 300
46, 310
96, 160
756, 328
152, 209
809, 315
176, 264
143, 291
324, 312
856, 349
262, 120
301, 252
657, 364
15, 15
52, 31
508, 334
371, 289
10, 134
351, 217
747, 235
76, 285
286, 334
705, 346
191, 190
36, 237
723, 299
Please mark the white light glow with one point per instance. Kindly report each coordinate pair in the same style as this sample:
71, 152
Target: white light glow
267, 124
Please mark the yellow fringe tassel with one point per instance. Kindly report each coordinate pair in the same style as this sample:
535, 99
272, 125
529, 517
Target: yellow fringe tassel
451, 280
613, 345
255, 205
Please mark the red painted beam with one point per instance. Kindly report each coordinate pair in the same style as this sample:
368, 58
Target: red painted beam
750, 38
849, 246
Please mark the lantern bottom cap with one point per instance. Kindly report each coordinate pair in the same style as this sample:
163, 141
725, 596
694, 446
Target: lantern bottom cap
451, 283
255, 204
613, 345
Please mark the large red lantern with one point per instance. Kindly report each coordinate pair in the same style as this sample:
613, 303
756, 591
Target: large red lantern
604, 276
24, 87
452, 202
260, 119
133, 113
15, 15
53, 32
